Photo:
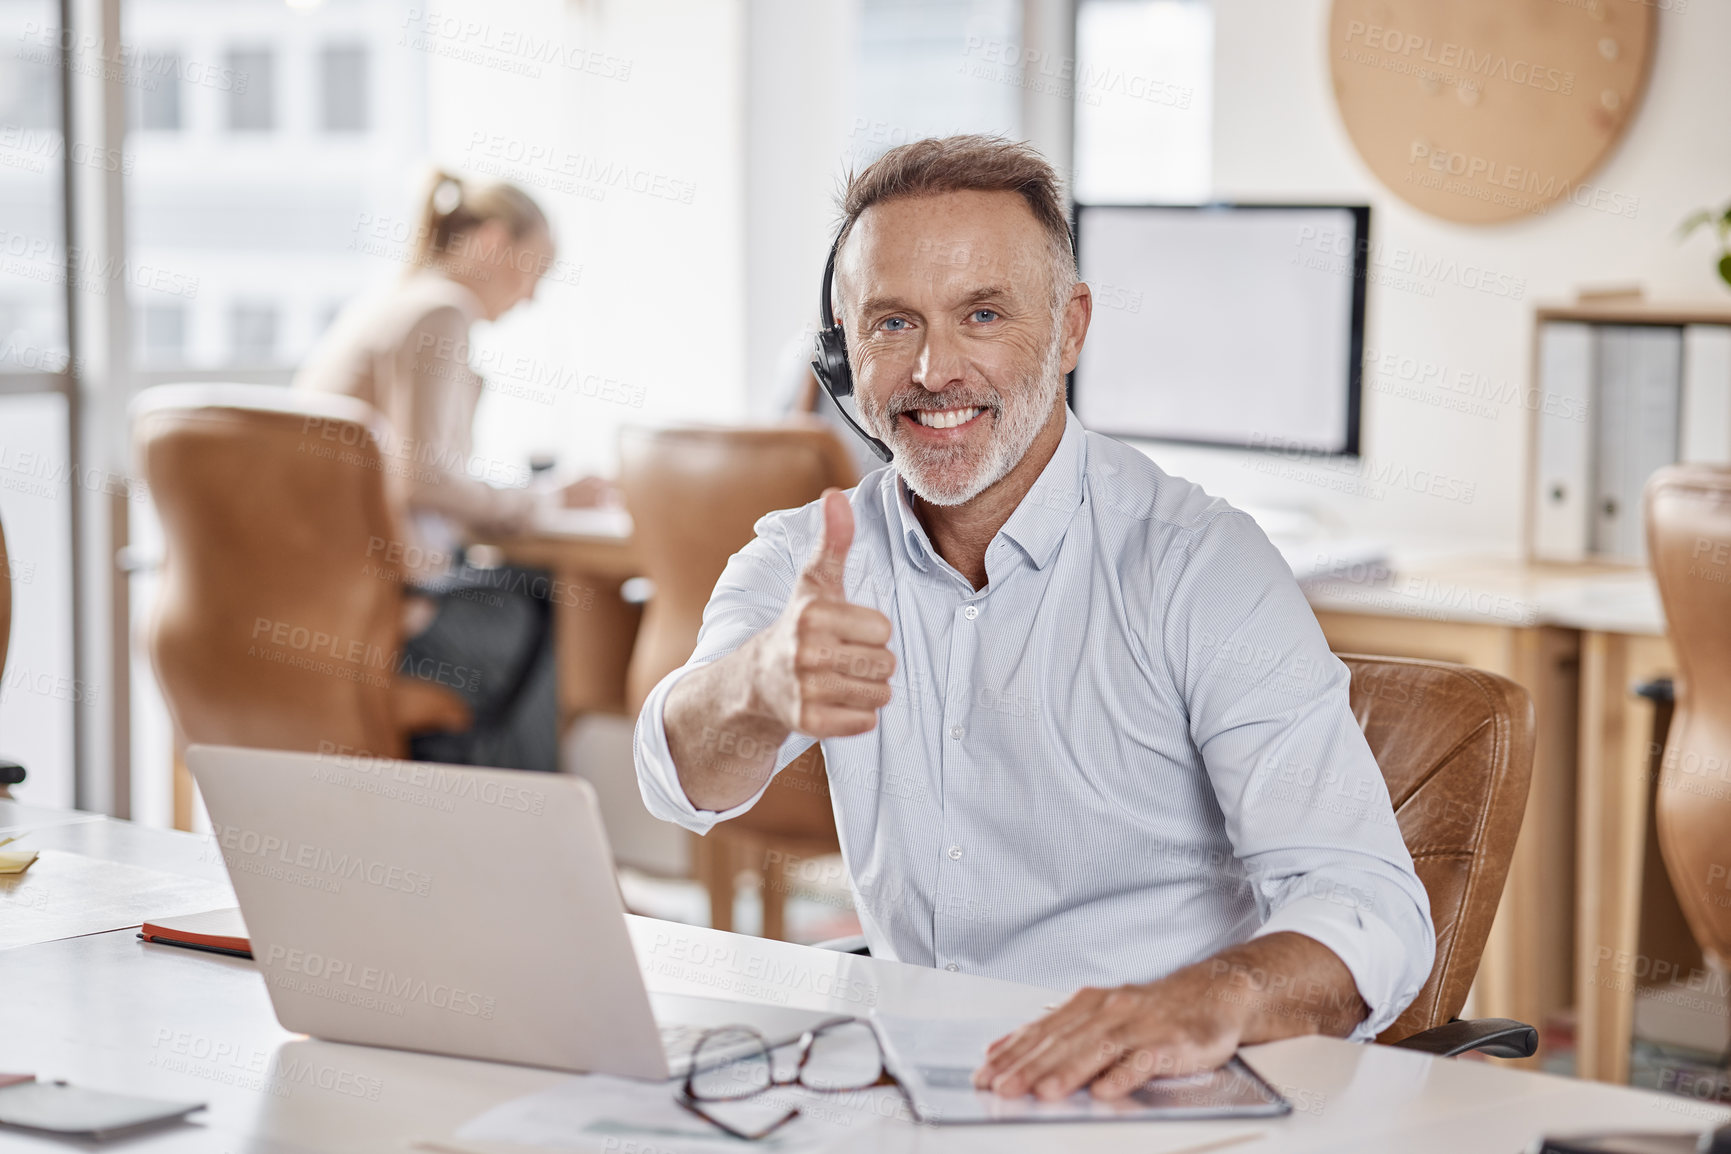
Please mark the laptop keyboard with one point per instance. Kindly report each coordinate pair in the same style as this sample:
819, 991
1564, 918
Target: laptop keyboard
678, 1039
679, 1043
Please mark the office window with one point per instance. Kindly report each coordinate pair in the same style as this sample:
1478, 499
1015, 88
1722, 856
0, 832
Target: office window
1144, 76
343, 88
28, 92
156, 92
161, 333
252, 330
32, 272
252, 92
39, 690
278, 223
933, 67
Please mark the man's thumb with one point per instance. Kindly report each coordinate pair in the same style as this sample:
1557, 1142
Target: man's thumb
829, 559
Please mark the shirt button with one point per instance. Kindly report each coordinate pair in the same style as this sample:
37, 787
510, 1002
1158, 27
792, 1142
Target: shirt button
971, 612
952, 967
955, 853
956, 732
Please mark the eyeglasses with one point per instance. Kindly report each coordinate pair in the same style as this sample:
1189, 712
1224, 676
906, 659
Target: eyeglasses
733, 1063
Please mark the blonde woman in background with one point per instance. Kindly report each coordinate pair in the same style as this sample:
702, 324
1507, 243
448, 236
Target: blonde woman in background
483, 633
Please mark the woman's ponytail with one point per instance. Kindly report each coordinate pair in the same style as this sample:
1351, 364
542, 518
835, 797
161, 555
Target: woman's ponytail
452, 207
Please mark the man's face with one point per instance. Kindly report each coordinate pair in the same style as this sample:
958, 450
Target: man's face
958, 353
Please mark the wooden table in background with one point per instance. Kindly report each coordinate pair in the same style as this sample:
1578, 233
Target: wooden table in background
1577, 637
1616, 791
590, 554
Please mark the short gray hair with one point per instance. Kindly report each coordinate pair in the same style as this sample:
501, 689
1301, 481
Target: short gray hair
968, 163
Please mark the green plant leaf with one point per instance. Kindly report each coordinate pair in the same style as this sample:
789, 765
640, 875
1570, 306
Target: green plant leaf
1725, 268
1694, 221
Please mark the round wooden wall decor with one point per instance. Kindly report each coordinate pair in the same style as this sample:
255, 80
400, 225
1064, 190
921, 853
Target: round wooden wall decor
1485, 110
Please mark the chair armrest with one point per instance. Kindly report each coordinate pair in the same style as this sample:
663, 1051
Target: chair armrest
852, 944
1660, 690
419, 706
1498, 1037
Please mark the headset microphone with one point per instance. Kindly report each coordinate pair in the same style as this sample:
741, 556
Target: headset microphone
831, 366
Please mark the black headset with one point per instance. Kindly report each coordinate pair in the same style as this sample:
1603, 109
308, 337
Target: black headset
830, 365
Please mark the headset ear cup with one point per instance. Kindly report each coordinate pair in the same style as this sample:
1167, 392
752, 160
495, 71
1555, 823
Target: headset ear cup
831, 363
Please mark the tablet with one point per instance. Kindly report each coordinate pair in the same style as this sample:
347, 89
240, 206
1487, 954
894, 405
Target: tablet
934, 1061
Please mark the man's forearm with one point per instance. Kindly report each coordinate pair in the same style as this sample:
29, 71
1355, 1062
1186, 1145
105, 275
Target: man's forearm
1284, 985
723, 744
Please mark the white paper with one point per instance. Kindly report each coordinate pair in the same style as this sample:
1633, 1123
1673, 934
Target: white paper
601, 522
596, 1112
68, 895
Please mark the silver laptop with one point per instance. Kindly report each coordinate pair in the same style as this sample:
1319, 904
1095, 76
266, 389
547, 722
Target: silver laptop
462, 911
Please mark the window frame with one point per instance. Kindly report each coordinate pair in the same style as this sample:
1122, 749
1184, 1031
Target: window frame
67, 384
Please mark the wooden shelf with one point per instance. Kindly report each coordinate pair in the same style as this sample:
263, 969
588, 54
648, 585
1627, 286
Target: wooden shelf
1640, 311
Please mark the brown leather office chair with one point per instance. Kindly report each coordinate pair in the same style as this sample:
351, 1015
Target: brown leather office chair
1688, 510
694, 495
11, 773
1455, 746
278, 622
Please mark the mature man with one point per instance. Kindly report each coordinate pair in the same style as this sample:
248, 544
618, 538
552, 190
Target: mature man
1081, 727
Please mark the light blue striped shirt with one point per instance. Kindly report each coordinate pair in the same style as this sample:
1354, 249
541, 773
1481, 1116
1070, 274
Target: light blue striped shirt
1128, 751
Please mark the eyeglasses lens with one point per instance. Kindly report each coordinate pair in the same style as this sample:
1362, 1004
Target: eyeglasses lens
729, 1063
843, 1057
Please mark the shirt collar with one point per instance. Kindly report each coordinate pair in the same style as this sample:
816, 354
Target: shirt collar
1039, 523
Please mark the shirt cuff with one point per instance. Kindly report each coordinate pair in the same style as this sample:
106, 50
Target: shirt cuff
658, 778
1370, 949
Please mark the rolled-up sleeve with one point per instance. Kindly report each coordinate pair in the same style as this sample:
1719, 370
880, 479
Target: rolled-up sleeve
748, 597
1305, 805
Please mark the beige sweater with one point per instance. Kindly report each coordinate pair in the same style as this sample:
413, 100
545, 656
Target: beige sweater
406, 353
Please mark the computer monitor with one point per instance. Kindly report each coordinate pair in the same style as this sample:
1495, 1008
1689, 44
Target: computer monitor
1224, 324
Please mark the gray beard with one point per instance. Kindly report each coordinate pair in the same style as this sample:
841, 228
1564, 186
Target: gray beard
1017, 420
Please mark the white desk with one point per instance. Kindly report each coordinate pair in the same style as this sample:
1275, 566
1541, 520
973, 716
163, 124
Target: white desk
110, 1012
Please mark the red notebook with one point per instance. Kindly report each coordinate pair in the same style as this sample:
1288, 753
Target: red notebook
221, 931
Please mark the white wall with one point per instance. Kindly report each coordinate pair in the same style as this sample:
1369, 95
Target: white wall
799, 58
1278, 136
634, 147
811, 117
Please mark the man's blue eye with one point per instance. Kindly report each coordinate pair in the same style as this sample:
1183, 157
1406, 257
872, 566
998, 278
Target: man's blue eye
893, 322
985, 316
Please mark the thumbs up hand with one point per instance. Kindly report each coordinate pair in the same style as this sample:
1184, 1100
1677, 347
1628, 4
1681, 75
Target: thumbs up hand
823, 669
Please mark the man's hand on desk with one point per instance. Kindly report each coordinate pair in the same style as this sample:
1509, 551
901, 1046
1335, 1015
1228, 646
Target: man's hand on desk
1193, 1019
